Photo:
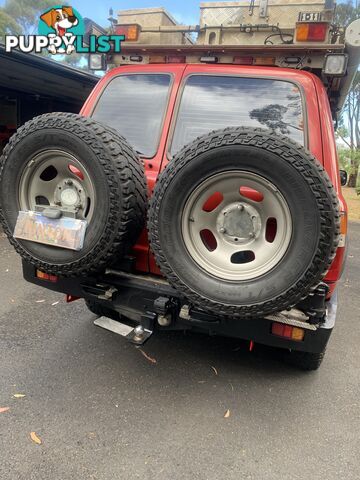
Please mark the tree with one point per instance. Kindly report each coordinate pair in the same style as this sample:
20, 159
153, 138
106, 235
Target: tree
22, 16
349, 128
271, 116
77, 60
8, 25
346, 13
349, 122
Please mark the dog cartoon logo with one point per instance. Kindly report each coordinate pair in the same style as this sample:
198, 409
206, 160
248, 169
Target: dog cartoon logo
61, 30
64, 22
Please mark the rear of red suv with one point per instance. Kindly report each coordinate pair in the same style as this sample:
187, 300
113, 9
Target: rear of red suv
246, 226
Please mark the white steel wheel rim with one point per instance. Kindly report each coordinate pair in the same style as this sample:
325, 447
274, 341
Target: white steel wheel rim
239, 226
65, 189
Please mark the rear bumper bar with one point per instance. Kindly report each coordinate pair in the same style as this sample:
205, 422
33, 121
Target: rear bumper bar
146, 300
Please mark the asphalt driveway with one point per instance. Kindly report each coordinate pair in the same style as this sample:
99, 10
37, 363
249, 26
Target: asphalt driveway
103, 410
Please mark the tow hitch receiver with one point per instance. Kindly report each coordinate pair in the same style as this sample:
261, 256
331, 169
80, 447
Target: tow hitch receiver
137, 335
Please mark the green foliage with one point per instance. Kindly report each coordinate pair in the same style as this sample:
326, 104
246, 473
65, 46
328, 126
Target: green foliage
349, 160
346, 13
77, 60
344, 158
8, 26
349, 121
22, 16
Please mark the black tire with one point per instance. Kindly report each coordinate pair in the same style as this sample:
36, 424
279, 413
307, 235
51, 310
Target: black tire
303, 360
97, 309
311, 199
119, 183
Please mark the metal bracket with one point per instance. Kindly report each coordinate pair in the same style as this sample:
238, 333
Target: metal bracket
108, 293
162, 305
293, 317
315, 304
55, 212
263, 5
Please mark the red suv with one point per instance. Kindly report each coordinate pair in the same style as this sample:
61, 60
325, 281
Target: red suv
211, 199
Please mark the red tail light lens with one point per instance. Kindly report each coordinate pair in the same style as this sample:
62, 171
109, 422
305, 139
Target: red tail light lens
287, 331
311, 32
46, 276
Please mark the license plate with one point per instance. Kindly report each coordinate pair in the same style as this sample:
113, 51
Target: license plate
310, 17
64, 232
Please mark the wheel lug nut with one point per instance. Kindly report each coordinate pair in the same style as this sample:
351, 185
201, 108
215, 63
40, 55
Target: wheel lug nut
241, 207
68, 182
222, 230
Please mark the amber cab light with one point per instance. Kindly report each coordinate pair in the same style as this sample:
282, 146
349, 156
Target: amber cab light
343, 223
287, 331
131, 32
311, 32
46, 276
264, 61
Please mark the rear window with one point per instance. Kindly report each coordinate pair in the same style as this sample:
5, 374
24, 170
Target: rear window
135, 106
211, 102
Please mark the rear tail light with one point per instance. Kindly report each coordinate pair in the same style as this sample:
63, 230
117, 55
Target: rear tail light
287, 331
46, 276
130, 32
343, 224
311, 32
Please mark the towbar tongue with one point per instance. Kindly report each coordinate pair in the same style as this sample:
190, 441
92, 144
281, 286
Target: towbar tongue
138, 335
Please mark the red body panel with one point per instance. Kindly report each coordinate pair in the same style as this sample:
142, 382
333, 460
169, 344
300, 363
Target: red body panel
318, 124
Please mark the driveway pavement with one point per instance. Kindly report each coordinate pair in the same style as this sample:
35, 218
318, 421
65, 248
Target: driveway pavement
103, 411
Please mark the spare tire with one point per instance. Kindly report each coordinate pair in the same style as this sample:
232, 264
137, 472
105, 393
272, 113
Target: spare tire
104, 175
244, 223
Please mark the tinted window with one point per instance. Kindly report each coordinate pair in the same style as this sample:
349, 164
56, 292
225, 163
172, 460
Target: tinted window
214, 102
135, 106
